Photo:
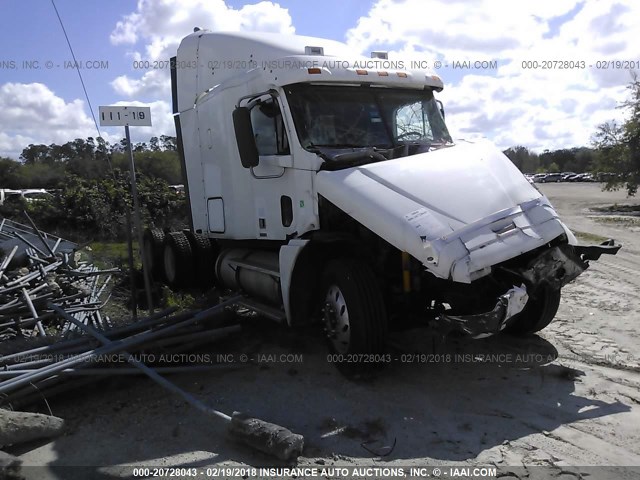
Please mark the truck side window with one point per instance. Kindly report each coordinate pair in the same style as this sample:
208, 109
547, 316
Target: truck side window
268, 128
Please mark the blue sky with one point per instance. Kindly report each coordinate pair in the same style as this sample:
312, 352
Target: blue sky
511, 105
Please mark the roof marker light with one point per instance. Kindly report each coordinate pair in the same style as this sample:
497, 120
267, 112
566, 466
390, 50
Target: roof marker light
383, 74
314, 71
380, 54
362, 72
401, 74
308, 50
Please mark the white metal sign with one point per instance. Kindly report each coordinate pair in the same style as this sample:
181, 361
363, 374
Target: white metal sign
123, 116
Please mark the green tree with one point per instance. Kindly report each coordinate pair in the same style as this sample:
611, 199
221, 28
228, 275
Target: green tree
164, 165
9, 173
618, 146
522, 158
554, 168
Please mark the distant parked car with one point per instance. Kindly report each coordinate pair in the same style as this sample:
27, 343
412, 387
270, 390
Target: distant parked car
552, 177
566, 175
6, 193
539, 177
36, 195
29, 195
588, 177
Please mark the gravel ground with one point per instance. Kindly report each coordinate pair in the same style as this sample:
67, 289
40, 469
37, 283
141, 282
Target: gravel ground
569, 397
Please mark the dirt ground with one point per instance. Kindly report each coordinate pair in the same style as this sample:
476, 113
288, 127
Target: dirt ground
454, 406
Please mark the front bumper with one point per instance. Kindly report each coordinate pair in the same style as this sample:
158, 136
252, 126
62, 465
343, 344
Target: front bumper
486, 324
554, 267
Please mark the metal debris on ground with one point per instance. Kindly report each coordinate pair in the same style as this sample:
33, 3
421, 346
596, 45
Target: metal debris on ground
37, 268
34, 374
54, 298
47, 294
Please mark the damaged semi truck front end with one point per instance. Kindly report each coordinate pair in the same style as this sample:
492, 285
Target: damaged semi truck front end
329, 187
486, 247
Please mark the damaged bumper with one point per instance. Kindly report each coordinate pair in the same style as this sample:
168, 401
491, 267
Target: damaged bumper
554, 267
593, 252
489, 323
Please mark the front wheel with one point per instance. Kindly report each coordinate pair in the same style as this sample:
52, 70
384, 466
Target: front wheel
354, 314
537, 313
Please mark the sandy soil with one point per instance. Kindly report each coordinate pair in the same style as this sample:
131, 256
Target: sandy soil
569, 397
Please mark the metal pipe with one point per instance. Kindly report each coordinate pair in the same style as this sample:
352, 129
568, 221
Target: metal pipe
7, 260
30, 244
67, 344
75, 273
45, 348
151, 373
113, 347
39, 234
267, 437
82, 372
33, 312
202, 334
55, 247
138, 222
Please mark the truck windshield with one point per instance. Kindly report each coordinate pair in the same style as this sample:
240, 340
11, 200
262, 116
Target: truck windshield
361, 116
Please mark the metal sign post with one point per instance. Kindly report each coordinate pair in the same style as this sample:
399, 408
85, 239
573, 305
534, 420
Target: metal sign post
135, 116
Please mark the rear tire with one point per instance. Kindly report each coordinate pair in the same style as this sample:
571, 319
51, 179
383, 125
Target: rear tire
153, 251
178, 260
204, 258
537, 314
354, 313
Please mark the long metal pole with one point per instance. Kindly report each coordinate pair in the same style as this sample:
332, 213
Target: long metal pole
132, 274
138, 222
148, 371
115, 346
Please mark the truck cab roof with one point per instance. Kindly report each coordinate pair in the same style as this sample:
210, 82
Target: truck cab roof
208, 59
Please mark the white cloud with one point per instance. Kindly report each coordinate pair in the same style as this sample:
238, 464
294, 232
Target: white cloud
515, 106
161, 25
32, 113
152, 83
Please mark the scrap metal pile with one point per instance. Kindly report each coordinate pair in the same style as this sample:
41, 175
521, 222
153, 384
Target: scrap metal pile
38, 268
50, 304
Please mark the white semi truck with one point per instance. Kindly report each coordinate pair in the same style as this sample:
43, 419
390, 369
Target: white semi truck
326, 185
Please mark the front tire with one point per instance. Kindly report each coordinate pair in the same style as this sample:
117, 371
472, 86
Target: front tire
354, 313
538, 312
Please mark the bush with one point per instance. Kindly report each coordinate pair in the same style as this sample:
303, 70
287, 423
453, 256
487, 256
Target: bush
96, 209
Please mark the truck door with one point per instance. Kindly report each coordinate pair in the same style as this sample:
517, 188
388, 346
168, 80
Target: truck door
273, 179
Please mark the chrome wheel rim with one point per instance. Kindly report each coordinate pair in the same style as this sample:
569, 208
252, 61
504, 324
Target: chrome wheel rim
336, 319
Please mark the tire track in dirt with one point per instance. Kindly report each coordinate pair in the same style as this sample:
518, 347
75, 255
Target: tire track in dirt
591, 347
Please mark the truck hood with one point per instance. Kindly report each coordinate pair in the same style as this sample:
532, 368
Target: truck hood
458, 210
